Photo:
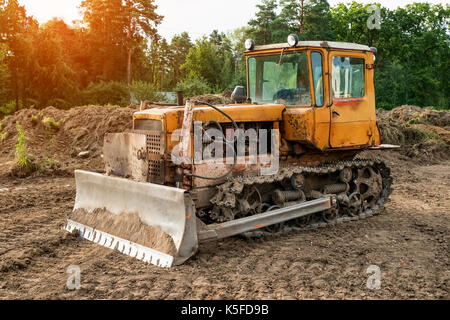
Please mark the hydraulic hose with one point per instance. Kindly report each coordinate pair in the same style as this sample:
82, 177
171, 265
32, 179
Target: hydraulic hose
228, 143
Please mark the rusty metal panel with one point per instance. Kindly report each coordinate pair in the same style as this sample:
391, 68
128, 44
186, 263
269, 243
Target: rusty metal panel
125, 155
299, 124
148, 125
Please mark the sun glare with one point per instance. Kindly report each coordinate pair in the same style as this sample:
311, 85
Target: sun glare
44, 10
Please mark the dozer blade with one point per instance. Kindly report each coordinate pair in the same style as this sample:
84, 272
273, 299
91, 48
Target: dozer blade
153, 223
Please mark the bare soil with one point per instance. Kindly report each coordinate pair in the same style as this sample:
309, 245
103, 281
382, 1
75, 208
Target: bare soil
408, 241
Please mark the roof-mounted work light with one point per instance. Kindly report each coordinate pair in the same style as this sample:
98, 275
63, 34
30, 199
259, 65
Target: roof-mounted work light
292, 40
249, 44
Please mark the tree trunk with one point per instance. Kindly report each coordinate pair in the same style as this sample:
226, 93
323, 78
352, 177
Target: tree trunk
130, 51
16, 88
162, 78
175, 75
302, 16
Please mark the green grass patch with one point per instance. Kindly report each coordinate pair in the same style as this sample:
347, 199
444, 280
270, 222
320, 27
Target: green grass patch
8, 108
4, 136
24, 165
50, 125
414, 121
428, 135
49, 165
36, 118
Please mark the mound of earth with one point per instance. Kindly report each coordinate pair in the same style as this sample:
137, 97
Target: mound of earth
414, 115
60, 141
423, 133
215, 99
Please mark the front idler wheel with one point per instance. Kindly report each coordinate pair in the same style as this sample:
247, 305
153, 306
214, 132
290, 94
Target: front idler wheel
331, 214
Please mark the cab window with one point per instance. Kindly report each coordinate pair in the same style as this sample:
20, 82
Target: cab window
317, 69
348, 77
280, 79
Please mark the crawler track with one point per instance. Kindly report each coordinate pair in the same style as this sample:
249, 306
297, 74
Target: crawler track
227, 197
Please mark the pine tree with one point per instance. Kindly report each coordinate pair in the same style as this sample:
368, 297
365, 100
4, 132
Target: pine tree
179, 48
263, 25
117, 28
310, 19
17, 31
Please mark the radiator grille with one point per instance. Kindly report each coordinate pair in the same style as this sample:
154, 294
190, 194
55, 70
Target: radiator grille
155, 143
155, 148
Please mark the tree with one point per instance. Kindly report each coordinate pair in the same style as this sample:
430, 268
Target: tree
53, 82
179, 48
160, 61
202, 62
105, 38
350, 23
291, 18
17, 31
4, 75
141, 21
117, 28
237, 39
265, 22
310, 19
73, 42
413, 50
317, 21
225, 57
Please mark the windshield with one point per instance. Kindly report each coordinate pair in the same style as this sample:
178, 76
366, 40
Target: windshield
280, 79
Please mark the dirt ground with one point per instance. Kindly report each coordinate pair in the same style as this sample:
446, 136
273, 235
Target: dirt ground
409, 242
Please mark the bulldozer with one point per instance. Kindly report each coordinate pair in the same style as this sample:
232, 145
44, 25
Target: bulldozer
286, 154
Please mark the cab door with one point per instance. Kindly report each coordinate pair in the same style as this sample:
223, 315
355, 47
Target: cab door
352, 99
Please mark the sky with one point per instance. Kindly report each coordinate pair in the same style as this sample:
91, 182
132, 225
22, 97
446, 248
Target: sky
197, 17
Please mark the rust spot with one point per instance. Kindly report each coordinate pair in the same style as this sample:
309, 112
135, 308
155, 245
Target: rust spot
258, 226
352, 102
299, 124
180, 117
240, 167
189, 215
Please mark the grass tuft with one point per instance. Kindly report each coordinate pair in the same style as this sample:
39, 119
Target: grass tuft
24, 165
50, 125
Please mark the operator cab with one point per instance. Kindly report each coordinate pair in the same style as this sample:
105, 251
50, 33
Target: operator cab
326, 87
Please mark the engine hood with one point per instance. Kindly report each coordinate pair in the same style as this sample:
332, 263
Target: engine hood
172, 117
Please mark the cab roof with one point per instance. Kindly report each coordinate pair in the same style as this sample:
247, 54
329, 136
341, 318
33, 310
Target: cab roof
318, 44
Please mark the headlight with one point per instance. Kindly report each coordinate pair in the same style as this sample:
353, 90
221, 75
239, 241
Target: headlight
292, 40
249, 44
375, 51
